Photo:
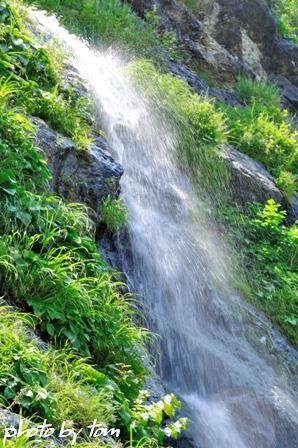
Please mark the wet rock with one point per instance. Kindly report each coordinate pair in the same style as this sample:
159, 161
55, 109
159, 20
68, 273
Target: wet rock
249, 180
199, 86
86, 176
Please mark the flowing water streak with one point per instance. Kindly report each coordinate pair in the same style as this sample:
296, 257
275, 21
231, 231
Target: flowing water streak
235, 397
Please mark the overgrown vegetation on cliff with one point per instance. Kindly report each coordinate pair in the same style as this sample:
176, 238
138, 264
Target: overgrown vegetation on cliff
50, 268
49, 264
265, 250
286, 12
110, 22
265, 131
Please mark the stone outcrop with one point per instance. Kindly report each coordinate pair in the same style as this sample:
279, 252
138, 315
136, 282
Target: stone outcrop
86, 176
249, 180
228, 37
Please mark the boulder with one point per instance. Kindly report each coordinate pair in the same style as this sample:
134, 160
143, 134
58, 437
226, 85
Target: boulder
85, 176
249, 180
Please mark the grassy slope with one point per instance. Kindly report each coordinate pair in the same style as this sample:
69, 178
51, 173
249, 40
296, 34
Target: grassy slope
50, 267
261, 129
47, 254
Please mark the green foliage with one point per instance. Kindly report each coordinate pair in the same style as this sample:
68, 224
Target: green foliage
148, 417
50, 267
258, 93
110, 22
114, 213
269, 260
200, 127
33, 74
23, 373
286, 12
263, 131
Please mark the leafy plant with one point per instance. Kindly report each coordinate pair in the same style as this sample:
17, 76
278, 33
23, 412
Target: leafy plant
286, 13
114, 213
268, 251
148, 418
263, 131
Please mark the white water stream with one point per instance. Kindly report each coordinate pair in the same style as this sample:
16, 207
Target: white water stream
236, 397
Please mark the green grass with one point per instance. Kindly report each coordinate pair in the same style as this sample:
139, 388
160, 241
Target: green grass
199, 126
50, 268
263, 130
110, 22
286, 13
35, 81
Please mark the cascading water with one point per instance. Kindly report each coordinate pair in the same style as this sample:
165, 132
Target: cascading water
236, 397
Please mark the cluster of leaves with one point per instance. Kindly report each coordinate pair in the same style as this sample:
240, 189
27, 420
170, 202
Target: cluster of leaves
199, 126
286, 13
50, 267
34, 78
114, 213
148, 418
264, 131
268, 253
110, 21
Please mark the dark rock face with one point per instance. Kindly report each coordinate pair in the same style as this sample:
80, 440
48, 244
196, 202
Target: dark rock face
193, 37
250, 181
200, 86
229, 37
288, 91
86, 176
255, 19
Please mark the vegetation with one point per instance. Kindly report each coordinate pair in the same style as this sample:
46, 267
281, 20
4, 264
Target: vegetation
50, 268
114, 213
264, 131
200, 127
35, 85
267, 251
110, 21
286, 12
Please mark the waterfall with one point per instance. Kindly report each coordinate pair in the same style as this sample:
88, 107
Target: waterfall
236, 392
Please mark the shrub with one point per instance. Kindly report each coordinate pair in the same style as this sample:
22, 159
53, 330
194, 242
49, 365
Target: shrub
114, 213
286, 12
267, 136
268, 251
